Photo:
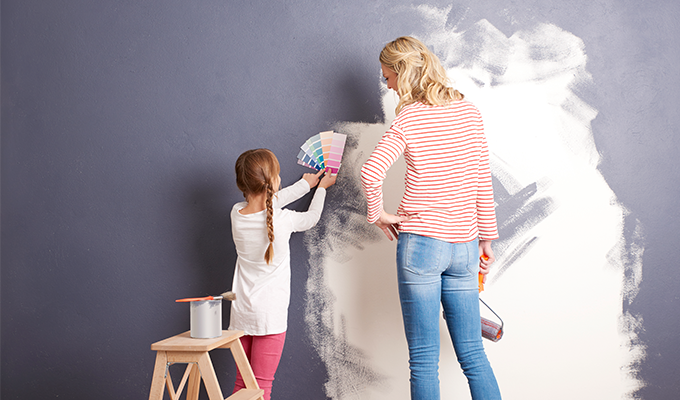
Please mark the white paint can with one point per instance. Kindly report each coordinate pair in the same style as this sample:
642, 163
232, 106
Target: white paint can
206, 319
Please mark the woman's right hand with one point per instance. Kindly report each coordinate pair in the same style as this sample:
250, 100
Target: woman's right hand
388, 224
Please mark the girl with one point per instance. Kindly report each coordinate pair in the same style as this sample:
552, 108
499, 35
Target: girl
446, 217
261, 229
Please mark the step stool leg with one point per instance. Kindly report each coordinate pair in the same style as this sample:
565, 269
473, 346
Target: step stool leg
194, 384
158, 381
243, 365
212, 386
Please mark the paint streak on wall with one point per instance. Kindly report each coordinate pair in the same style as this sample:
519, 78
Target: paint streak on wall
568, 258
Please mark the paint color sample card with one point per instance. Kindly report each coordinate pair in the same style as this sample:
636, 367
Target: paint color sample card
306, 160
335, 154
322, 151
315, 151
326, 138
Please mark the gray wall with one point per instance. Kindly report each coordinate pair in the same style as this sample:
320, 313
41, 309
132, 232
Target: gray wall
121, 122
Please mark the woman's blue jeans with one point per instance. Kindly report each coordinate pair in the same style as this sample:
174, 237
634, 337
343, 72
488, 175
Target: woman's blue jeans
431, 272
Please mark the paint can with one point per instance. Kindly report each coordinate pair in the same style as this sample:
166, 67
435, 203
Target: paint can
206, 319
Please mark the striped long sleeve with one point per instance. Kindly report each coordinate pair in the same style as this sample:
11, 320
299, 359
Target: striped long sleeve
448, 191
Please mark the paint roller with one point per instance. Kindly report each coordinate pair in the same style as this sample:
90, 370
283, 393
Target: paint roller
231, 296
490, 329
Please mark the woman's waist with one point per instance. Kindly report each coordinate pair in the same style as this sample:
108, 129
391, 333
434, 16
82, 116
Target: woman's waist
431, 209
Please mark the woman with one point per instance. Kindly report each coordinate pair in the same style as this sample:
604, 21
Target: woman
446, 218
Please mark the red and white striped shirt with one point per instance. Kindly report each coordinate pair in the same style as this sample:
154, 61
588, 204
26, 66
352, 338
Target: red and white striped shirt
448, 191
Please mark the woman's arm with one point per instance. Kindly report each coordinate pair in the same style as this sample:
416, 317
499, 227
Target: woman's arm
486, 210
374, 171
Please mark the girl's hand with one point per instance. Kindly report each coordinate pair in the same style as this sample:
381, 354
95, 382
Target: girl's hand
388, 224
312, 179
327, 180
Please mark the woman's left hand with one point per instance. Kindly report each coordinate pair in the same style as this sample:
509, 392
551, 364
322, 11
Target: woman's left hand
486, 257
388, 224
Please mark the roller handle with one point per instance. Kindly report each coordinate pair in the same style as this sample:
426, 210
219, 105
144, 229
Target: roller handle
481, 276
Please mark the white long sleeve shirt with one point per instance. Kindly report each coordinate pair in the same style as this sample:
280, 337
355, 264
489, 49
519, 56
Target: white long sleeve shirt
263, 290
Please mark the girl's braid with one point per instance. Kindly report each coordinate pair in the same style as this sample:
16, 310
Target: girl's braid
269, 254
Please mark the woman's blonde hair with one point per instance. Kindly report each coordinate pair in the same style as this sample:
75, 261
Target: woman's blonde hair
256, 172
420, 75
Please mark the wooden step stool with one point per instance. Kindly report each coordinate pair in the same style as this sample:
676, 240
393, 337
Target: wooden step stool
184, 349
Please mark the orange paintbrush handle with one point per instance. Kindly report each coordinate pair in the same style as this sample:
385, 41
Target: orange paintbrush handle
194, 299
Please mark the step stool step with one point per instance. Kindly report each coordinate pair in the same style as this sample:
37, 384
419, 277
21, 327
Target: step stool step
246, 394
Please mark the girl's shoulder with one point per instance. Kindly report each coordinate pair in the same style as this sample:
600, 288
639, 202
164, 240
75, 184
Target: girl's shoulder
236, 210
239, 206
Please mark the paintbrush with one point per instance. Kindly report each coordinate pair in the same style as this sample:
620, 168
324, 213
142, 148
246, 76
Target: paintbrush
231, 296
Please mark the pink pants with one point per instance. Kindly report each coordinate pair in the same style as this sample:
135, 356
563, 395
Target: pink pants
264, 354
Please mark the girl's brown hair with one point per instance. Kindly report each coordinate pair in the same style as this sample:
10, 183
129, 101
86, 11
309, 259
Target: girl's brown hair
420, 75
256, 172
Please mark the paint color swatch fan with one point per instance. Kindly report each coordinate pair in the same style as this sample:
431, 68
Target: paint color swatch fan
323, 150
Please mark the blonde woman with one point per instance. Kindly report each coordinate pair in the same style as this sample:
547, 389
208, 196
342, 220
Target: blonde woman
445, 222
261, 229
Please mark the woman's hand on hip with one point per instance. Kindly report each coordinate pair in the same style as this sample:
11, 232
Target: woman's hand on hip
388, 224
